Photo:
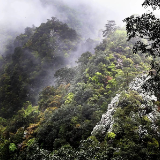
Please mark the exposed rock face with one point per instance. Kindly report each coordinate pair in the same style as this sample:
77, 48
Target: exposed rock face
147, 97
136, 85
107, 120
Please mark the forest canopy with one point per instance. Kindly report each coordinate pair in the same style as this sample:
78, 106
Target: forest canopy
94, 109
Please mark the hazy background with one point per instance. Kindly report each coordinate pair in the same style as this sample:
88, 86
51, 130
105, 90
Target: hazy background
16, 15
21, 13
90, 16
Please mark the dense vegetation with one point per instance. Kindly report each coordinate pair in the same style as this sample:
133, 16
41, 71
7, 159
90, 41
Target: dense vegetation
38, 52
48, 108
67, 112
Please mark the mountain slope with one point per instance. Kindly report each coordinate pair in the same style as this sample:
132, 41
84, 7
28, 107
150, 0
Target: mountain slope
38, 53
68, 111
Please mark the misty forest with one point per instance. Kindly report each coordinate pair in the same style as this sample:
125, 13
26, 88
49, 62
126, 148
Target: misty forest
70, 90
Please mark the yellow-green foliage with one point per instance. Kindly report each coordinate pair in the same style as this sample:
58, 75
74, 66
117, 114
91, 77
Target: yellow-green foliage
127, 62
74, 119
28, 110
111, 135
69, 98
93, 138
31, 142
111, 84
153, 143
97, 78
12, 147
120, 33
98, 74
132, 96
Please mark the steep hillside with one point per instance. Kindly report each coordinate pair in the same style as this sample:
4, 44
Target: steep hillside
80, 17
30, 59
68, 94
68, 111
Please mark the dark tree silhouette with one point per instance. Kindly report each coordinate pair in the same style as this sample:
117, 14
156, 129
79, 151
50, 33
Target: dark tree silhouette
110, 28
146, 28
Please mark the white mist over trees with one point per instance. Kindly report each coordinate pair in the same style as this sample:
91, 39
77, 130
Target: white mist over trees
50, 105
17, 15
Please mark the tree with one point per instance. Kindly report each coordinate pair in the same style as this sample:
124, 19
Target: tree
153, 3
84, 59
110, 28
13, 90
146, 29
65, 75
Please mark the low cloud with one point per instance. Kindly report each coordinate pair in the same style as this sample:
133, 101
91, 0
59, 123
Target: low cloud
16, 15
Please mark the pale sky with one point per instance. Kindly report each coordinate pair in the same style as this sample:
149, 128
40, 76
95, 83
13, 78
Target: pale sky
16, 15
124, 8
24, 13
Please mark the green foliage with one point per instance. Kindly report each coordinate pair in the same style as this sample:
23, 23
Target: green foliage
31, 142
28, 110
65, 75
84, 58
60, 127
13, 92
110, 28
111, 135
12, 147
25, 72
96, 79
111, 84
146, 42
44, 97
127, 62
69, 98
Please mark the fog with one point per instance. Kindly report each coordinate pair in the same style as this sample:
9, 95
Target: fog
115, 9
16, 15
